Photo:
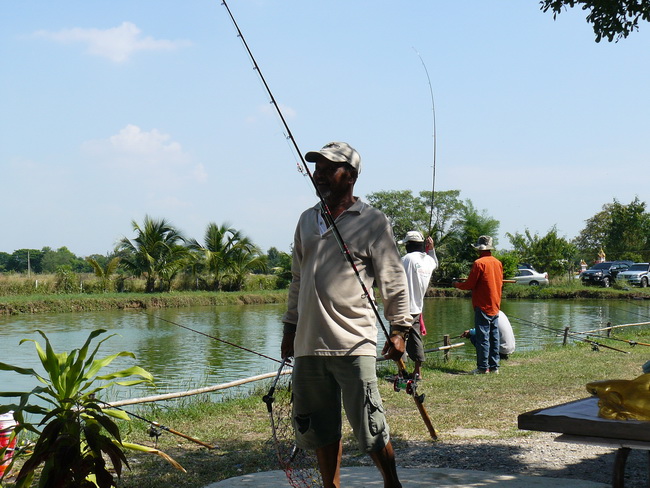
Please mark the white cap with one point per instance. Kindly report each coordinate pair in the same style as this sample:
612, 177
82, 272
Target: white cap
412, 236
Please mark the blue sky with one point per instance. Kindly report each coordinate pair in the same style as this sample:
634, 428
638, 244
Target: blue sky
112, 110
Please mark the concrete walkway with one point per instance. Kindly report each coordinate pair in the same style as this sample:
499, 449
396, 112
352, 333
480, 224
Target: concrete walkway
368, 477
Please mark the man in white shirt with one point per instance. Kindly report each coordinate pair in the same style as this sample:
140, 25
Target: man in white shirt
419, 263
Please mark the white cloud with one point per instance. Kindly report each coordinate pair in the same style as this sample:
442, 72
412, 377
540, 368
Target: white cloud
116, 43
149, 156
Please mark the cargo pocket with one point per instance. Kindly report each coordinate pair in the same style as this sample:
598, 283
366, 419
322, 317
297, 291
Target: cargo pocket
376, 419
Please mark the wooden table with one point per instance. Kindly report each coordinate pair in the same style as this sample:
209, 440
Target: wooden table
579, 422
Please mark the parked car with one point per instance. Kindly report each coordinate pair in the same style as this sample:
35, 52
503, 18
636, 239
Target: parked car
638, 274
528, 276
604, 274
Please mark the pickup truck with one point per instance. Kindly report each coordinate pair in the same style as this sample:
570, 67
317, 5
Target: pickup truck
604, 274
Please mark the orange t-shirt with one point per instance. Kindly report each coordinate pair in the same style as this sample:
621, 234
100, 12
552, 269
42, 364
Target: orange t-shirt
486, 282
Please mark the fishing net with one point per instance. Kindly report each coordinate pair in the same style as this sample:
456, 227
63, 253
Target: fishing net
301, 467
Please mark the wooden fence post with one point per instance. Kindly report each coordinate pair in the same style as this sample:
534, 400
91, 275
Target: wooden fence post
566, 334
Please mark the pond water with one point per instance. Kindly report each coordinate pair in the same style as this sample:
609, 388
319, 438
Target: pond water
181, 359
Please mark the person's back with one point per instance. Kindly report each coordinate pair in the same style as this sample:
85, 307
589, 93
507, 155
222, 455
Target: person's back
506, 336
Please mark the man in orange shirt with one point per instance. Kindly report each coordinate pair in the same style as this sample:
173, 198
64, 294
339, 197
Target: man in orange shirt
486, 281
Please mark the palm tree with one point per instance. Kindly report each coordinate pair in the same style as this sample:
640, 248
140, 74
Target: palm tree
243, 258
226, 256
105, 272
157, 252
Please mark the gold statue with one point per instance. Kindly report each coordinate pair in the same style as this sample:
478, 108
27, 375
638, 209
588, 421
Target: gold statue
623, 399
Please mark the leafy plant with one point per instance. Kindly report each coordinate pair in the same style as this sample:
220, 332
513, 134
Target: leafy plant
76, 435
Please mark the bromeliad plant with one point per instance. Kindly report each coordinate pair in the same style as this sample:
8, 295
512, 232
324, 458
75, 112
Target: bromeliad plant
76, 436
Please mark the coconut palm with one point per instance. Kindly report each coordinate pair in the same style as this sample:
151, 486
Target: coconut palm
226, 256
105, 272
157, 253
244, 258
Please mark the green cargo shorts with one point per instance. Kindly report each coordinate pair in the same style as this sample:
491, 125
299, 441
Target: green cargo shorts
320, 383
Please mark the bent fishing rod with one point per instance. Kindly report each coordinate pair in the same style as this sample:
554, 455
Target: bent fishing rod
154, 426
329, 218
435, 140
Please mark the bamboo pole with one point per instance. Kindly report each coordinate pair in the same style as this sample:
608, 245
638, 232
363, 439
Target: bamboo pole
198, 391
611, 327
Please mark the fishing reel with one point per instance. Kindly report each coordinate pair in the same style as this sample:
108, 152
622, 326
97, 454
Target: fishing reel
409, 385
154, 431
400, 383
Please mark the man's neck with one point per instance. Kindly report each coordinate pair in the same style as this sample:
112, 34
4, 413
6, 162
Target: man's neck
341, 205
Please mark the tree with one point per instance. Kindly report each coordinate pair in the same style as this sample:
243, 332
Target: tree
104, 270
610, 18
549, 253
52, 260
628, 231
279, 263
4, 261
157, 253
25, 260
226, 256
622, 231
590, 239
404, 210
408, 212
244, 258
458, 251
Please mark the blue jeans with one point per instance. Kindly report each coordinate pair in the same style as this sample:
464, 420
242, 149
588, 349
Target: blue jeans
487, 340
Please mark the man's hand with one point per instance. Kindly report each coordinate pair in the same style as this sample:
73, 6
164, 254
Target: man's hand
428, 244
286, 348
394, 349
465, 334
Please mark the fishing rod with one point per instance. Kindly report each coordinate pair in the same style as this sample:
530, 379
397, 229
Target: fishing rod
611, 327
213, 337
631, 343
588, 333
155, 426
535, 324
594, 344
435, 140
329, 218
326, 210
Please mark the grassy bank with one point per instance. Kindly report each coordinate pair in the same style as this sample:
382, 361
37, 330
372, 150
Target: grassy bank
455, 401
29, 304
32, 303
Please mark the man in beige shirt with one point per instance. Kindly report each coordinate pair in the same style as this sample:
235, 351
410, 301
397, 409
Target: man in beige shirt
330, 326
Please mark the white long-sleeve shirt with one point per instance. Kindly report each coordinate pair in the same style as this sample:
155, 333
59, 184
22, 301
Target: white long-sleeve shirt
326, 300
419, 267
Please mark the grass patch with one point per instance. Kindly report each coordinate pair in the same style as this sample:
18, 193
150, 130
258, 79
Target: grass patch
455, 402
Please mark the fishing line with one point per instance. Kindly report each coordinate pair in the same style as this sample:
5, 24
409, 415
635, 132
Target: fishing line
645, 316
213, 337
530, 322
326, 211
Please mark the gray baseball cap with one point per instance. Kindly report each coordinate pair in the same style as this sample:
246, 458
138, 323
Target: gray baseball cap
336, 152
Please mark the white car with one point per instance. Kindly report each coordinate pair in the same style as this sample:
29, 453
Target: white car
526, 276
637, 274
